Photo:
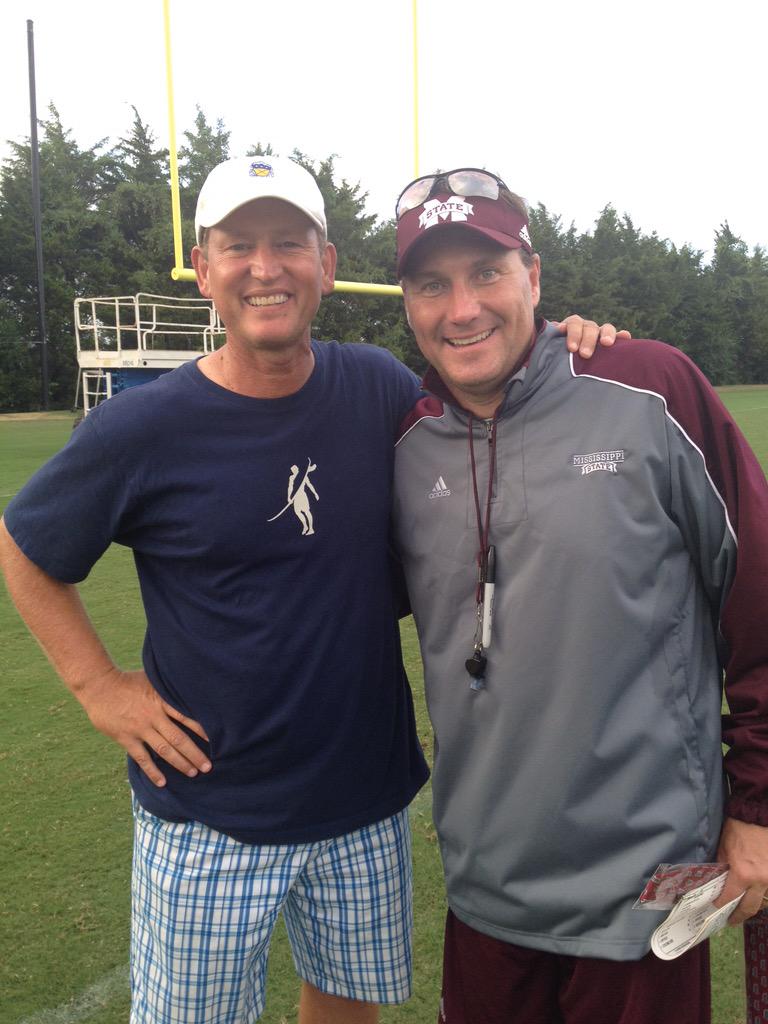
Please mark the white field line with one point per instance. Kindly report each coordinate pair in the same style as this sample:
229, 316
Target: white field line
95, 998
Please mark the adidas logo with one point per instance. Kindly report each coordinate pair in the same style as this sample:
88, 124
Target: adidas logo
440, 490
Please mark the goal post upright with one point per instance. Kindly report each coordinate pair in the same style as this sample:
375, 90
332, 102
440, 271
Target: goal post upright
181, 273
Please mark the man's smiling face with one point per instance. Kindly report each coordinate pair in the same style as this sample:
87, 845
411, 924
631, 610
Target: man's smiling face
470, 303
266, 269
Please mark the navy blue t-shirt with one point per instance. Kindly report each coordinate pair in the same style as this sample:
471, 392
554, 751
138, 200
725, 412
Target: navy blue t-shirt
259, 528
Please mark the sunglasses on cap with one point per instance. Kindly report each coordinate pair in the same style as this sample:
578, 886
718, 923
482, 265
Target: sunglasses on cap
464, 181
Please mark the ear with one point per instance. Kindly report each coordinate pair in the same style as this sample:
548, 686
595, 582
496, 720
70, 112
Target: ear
328, 262
401, 282
200, 263
534, 276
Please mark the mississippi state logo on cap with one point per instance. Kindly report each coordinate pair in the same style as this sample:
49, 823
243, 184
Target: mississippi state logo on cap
434, 210
493, 218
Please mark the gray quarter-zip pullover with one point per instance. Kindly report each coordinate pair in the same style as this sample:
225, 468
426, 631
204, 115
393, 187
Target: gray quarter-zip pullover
593, 752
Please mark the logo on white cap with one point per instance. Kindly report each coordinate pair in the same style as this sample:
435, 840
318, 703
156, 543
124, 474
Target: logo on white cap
258, 169
435, 210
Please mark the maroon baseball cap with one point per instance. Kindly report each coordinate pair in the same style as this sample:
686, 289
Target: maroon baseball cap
493, 218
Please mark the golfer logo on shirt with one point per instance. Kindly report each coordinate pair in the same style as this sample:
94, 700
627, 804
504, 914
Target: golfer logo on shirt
299, 500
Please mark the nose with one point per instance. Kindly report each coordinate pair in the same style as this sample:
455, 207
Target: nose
263, 263
463, 306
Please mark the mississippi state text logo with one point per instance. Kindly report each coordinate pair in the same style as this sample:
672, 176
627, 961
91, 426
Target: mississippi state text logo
606, 462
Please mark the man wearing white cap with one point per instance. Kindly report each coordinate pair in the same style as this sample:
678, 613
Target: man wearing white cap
254, 487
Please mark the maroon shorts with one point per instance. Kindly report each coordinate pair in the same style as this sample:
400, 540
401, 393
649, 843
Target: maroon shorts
487, 981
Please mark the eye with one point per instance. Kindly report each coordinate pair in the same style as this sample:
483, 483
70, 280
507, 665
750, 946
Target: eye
431, 287
487, 275
238, 247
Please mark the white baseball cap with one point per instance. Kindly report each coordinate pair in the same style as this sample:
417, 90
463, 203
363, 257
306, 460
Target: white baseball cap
233, 183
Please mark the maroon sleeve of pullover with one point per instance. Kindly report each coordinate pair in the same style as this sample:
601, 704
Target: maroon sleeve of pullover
739, 481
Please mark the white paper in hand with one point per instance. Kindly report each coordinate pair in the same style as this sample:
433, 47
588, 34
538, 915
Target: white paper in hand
692, 919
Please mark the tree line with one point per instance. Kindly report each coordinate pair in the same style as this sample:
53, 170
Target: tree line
106, 227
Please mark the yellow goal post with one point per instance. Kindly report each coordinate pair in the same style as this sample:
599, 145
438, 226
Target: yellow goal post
181, 273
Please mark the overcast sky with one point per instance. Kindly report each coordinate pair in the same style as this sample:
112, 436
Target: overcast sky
657, 107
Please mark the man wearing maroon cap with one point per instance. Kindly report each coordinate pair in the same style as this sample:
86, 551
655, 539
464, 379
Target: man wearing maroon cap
570, 763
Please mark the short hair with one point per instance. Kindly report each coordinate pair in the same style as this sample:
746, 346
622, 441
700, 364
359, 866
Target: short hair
520, 206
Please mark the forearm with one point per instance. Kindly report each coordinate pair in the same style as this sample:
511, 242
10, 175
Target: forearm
56, 617
123, 705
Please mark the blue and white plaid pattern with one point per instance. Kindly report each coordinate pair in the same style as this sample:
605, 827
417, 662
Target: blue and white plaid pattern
205, 905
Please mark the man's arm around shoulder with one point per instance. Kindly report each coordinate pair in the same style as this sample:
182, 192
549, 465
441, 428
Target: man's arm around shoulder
123, 705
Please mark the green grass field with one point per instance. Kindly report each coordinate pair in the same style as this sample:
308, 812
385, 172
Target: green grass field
66, 831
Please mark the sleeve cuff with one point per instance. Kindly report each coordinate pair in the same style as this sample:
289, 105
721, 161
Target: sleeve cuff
747, 810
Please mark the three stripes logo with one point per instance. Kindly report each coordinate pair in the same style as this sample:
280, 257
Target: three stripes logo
440, 490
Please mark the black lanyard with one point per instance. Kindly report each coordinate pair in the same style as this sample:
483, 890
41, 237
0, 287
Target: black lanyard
486, 568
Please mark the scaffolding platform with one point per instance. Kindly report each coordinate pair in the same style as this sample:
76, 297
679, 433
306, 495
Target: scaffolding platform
127, 340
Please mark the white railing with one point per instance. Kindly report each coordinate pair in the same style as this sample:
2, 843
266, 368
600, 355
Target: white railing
111, 325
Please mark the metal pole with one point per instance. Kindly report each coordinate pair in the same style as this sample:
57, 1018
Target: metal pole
178, 246
36, 215
415, 15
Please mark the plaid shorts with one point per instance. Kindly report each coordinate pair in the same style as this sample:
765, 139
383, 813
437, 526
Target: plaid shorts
205, 906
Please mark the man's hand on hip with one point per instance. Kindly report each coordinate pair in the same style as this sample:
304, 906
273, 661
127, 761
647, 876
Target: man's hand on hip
127, 708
